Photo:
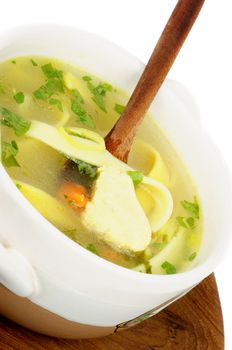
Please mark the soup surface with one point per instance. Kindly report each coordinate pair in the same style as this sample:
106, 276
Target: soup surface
54, 116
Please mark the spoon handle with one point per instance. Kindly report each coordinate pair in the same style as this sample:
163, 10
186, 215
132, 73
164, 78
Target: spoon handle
120, 138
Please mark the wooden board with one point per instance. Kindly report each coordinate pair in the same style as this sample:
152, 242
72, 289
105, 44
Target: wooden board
192, 323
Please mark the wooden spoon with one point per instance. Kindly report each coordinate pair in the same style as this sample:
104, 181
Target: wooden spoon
120, 138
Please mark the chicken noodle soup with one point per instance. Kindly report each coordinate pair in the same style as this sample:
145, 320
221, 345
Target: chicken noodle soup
143, 215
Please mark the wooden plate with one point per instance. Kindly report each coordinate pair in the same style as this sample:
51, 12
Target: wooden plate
193, 323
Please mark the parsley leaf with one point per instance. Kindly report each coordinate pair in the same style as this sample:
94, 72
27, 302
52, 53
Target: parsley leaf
33, 63
87, 78
191, 222
77, 96
19, 97
18, 186
181, 221
119, 108
191, 208
136, 176
100, 102
9, 152
159, 245
42, 93
86, 169
98, 92
79, 111
92, 248
14, 121
45, 91
102, 88
169, 268
53, 84
192, 256
51, 72
13, 61
186, 223
57, 103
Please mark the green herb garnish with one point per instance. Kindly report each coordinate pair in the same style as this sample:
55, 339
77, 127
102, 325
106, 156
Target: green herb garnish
192, 256
191, 222
86, 169
91, 247
77, 96
87, 78
54, 83
51, 87
81, 114
98, 92
181, 221
13, 61
33, 63
191, 208
14, 121
119, 108
57, 103
51, 72
136, 176
18, 186
9, 152
169, 268
186, 222
19, 97
159, 245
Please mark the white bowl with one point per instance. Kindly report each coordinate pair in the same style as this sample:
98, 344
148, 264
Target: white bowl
55, 286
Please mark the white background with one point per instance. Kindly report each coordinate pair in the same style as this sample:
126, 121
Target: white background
204, 64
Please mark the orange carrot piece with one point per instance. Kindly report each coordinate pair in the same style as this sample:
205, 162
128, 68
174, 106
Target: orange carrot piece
75, 195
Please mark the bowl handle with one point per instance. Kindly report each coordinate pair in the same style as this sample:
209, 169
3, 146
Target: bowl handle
16, 273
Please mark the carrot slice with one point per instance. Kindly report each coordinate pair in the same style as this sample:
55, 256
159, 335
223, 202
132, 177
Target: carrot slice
75, 195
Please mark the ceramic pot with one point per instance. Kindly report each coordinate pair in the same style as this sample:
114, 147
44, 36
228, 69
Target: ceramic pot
51, 284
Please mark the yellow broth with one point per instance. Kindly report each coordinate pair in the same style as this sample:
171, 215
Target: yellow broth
43, 167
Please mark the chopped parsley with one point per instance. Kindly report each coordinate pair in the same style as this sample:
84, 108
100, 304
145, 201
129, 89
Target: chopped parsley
136, 176
51, 72
192, 256
159, 245
181, 221
86, 169
91, 247
191, 222
81, 114
57, 103
33, 63
18, 186
53, 85
191, 208
186, 222
119, 108
169, 268
13, 61
87, 78
14, 121
98, 92
9, 152
19, 97
77, 96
